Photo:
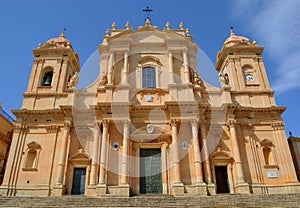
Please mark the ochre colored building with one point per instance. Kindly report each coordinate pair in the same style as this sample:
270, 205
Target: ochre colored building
6, 132
149, 124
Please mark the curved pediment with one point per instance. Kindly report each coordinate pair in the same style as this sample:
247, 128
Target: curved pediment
80, 155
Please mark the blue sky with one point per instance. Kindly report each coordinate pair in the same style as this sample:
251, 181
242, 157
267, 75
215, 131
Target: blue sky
273, 24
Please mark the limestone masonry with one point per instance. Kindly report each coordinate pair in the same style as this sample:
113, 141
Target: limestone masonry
149, 124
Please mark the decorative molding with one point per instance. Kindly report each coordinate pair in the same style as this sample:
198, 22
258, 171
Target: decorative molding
52, 128
174, 122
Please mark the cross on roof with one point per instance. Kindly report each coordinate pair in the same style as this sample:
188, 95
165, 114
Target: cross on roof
147, 13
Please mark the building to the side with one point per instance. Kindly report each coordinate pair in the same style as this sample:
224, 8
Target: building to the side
149, 124
6, 132
294, 143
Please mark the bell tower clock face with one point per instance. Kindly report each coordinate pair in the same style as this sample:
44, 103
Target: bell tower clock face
249, 77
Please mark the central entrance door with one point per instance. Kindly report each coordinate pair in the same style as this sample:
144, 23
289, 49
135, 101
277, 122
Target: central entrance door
150, 171
222, 179
78, 181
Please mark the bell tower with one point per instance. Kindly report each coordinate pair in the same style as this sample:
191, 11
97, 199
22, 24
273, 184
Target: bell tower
240, 62
53, 75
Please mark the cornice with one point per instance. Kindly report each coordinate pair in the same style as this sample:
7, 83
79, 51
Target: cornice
44, 94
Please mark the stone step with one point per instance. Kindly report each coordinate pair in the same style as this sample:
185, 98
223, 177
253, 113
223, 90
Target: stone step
278, 200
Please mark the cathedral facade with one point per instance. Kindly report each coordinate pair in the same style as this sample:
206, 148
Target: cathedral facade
149, 124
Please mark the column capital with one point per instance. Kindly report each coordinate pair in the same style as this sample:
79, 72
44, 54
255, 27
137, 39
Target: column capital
105, 122
279, 125
67, 124
194, 122
126, 122
231, 123
173, 122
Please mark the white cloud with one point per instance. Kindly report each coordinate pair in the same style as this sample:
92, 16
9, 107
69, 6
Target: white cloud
275, 24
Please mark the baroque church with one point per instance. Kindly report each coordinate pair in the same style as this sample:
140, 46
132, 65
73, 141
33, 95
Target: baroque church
149, 124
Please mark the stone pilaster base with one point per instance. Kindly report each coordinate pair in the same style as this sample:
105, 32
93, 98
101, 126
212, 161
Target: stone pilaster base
201, 189
178, 189
293, 187
91, 190
124, 190
58, 190
101, 190
242, 188
4, 191
211, 189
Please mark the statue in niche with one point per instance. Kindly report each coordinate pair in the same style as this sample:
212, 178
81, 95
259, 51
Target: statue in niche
196, 78
73, 80
224, 79
103, 79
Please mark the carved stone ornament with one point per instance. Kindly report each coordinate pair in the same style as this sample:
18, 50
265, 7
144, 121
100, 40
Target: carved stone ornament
224, 79
103, 79
150, 129
196, 79
73, 81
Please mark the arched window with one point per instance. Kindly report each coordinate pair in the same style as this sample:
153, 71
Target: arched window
149, 77
47, 78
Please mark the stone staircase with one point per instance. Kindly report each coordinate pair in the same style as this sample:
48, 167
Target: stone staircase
276, 200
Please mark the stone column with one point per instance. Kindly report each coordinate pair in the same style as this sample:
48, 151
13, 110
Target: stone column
102, 174
171, 70
241, 186
177, 188
176, 159
186, 67
236, 152
197, 156
95, 158
110, 68
63, 154
125, 68
205, 152
164, 167
200, 185
124, 165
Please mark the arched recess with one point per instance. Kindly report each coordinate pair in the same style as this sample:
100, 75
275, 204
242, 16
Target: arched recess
148, 72
32, 156
222, 161
268, 151
78, 160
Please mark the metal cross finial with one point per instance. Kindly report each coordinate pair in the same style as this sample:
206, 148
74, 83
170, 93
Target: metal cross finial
63, 32
147, 13
231, 30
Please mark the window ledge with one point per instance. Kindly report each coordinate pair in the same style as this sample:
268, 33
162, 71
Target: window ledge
29, 169
45, 87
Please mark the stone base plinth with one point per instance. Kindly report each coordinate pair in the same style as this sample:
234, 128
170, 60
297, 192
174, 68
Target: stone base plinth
211, 189
101, 190
178, 189
58, 190
242, 188
91, 190
113, 191
201, 189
